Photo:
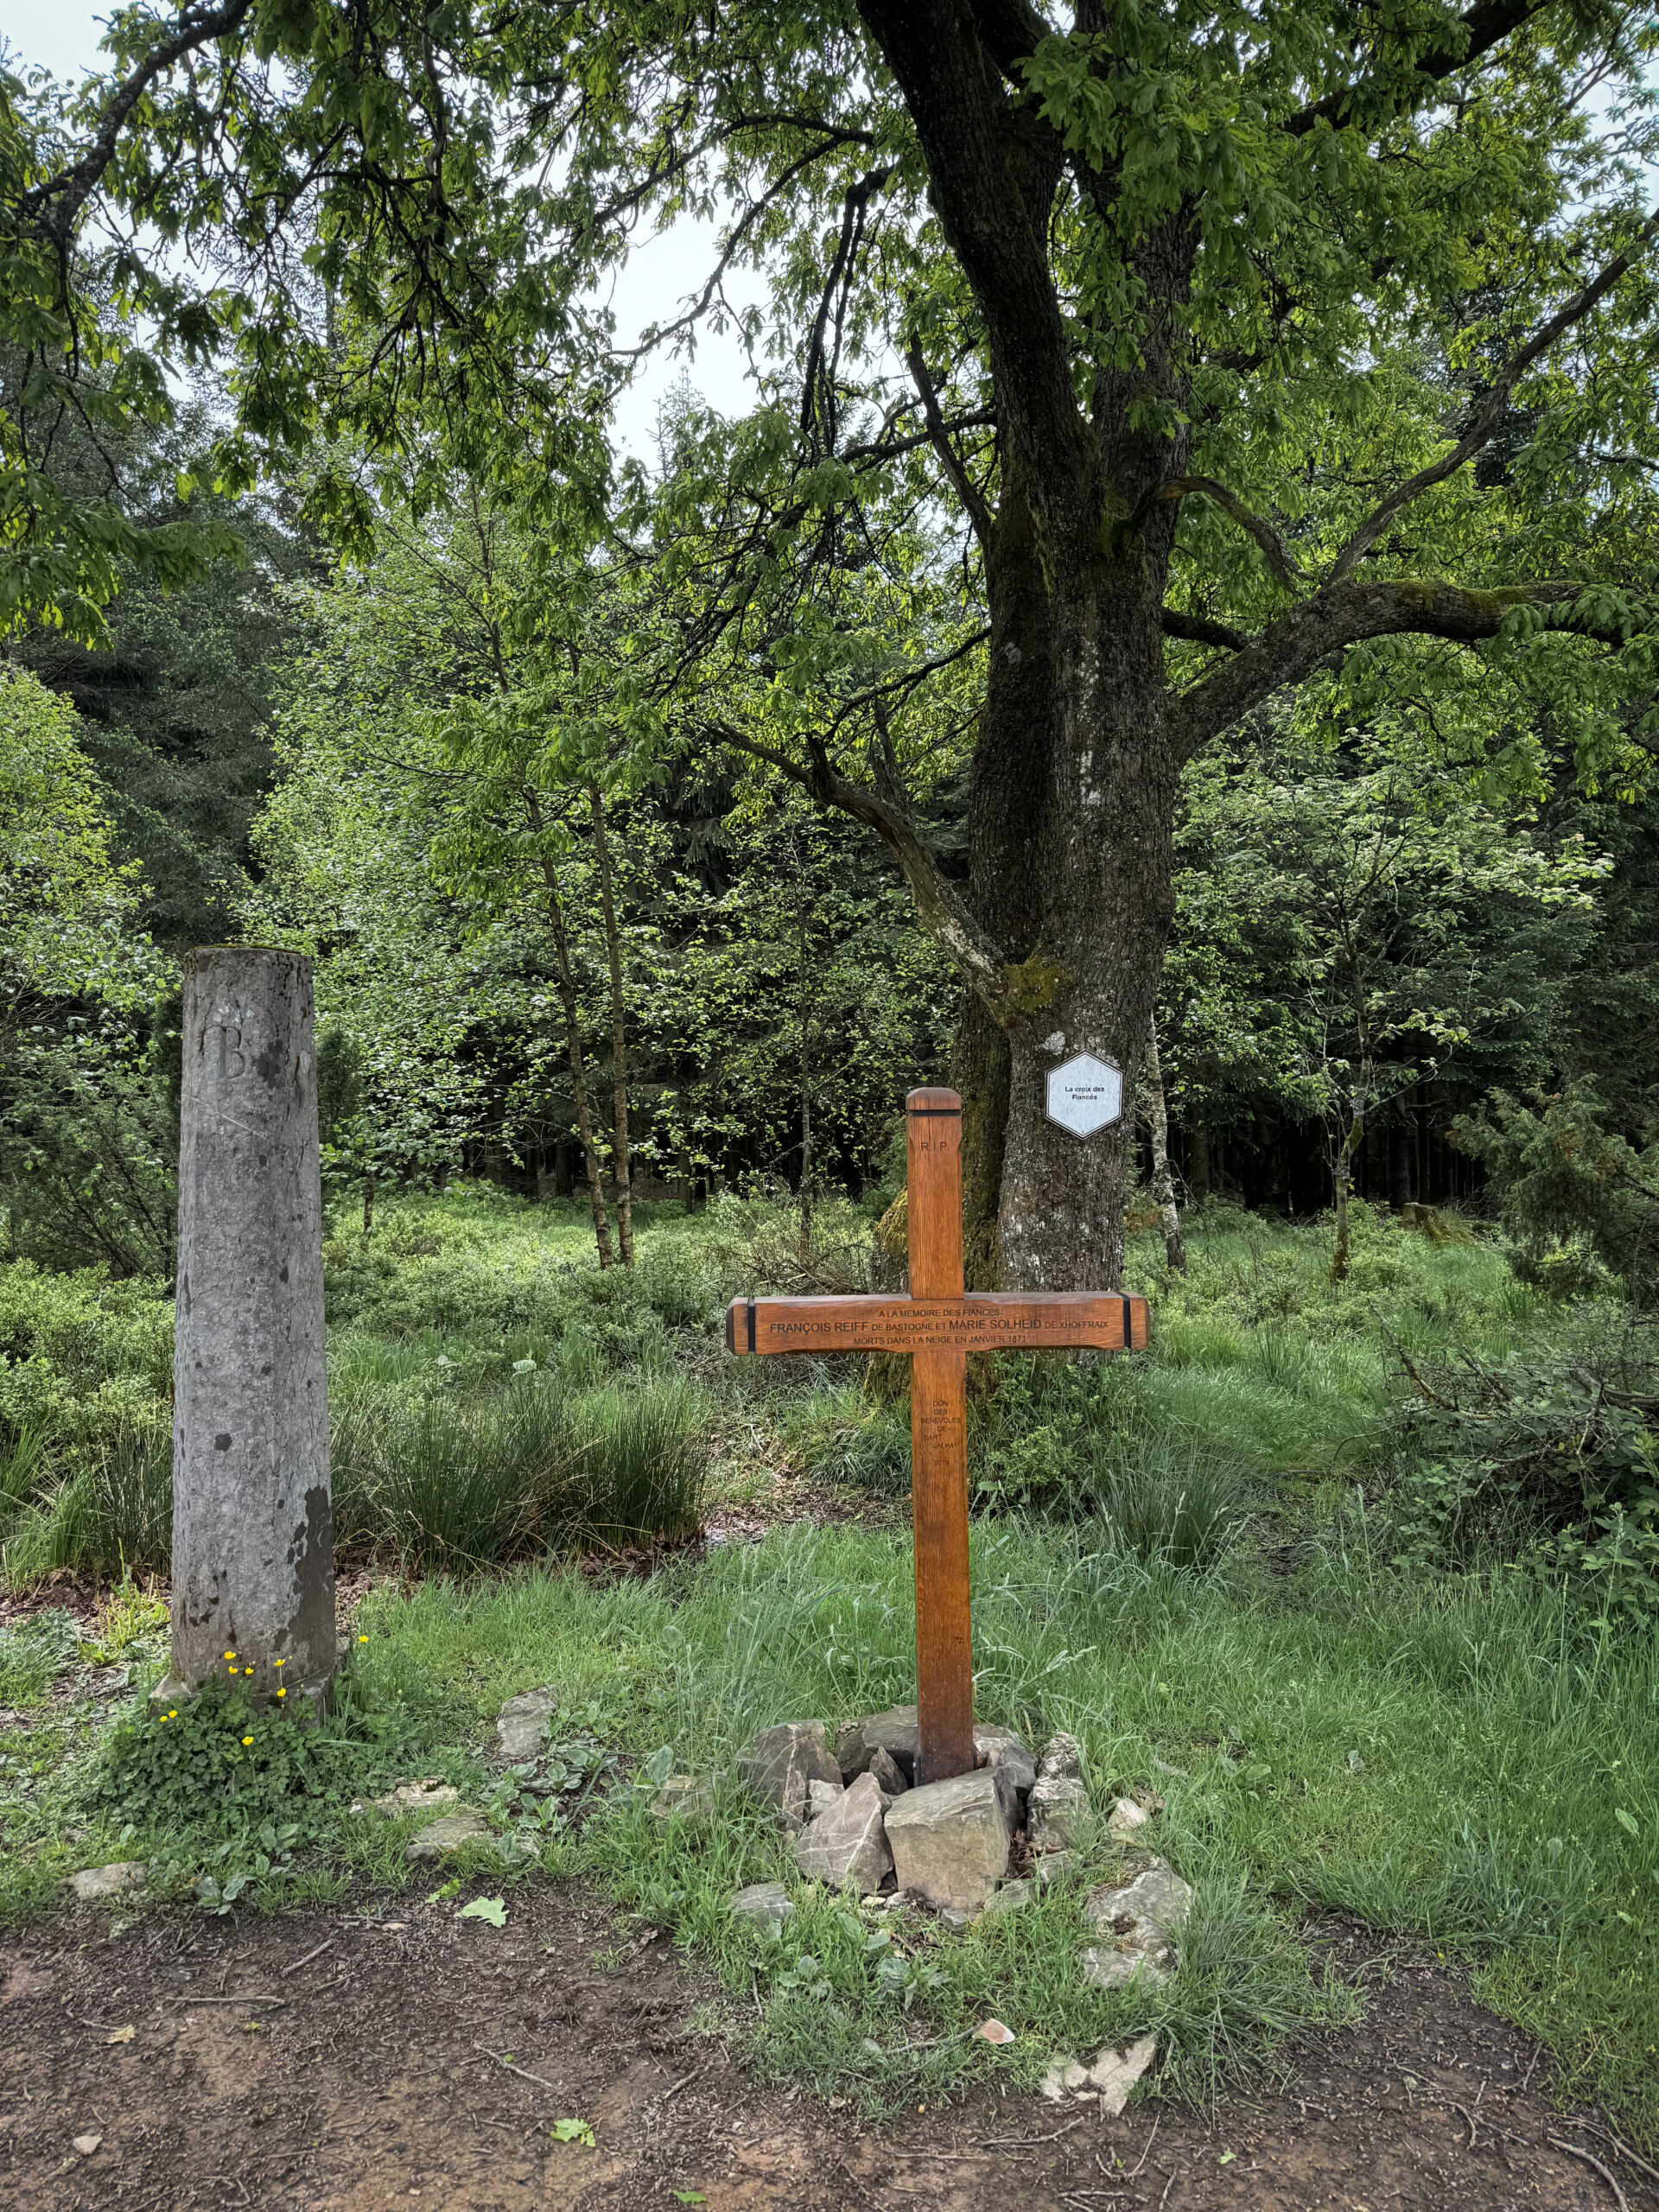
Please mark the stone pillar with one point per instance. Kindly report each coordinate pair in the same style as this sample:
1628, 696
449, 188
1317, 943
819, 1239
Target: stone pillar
253, 1548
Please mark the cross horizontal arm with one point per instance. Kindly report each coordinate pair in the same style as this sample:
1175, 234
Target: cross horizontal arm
980, 1321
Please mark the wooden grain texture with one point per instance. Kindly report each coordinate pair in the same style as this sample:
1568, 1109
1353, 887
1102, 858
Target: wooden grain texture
982, 1321
938, 1325
938, 1445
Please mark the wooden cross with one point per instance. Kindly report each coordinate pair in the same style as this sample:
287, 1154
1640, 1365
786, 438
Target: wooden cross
938, 1324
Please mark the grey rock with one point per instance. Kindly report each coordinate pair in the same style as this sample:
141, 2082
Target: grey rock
441, 1837
96, 1882
524, 1725
1062, 1760
848, 1842
1010, 1897
423, 1796
1137, 1920
885, 1768
1104, 1968
1064, 2078
991, 1739
780, 1761
1125, 1817
1154, 1893
821, 1795
685, 1797
765, 1905
1109, 2080
894, 1731
1056, 1865
1115, 2073
950, 1840
956, 1921
1009, 1760
1057, 1812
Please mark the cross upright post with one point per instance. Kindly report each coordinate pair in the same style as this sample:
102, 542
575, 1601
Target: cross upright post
938, 1324
938, 1443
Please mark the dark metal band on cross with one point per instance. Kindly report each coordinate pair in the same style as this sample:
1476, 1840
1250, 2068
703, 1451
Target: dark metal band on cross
938, 1324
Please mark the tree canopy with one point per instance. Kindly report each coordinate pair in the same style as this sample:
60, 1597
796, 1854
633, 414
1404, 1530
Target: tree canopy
1123, 371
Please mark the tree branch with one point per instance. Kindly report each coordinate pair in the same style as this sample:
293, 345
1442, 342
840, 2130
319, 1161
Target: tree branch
66, 194
1489, 416
886, 449
992, 172
939, 906
1200, 630
1466, 39
1343, 614
1286, 571
740, 230
855, 206
967, 491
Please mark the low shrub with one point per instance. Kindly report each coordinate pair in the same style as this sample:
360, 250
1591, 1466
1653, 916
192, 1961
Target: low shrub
1538, 1460
215, 1765
1582, 1200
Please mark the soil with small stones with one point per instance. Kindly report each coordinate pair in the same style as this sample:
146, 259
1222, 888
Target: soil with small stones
406, 2057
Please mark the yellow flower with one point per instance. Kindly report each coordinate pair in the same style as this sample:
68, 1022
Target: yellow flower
281, 1693
247, 1739
165, 1716
230, 1655
282, 1663
362, 1639
174, 1714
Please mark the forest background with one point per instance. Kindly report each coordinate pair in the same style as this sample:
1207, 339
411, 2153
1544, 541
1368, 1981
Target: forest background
526, 779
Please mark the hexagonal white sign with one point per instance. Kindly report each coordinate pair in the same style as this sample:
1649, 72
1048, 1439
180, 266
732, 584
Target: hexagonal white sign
1084, 1095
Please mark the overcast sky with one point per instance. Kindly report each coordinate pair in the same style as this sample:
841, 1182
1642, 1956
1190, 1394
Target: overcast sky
62, 35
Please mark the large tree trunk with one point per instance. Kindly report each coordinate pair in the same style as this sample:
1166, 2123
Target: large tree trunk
1070, 840
1076, 765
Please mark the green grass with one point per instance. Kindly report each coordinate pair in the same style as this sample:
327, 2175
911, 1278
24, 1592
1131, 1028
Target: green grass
1184, 1559
1449, 1761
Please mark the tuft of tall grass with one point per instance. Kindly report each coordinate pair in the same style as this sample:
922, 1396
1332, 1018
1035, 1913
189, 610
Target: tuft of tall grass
461, 1479
641, 1452
114, 1513
452, 1483
1166, 1501
20, 1473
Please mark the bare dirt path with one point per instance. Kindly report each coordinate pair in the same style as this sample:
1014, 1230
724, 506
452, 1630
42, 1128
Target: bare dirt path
373, 2076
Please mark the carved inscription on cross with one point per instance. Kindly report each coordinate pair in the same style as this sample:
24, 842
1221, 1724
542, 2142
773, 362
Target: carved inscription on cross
938, 1324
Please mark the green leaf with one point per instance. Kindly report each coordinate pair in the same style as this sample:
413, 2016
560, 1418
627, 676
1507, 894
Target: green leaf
1625, 1821
490, 1908
573, 2131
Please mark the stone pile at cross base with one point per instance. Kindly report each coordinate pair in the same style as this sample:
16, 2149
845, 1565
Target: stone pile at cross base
981, 1842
